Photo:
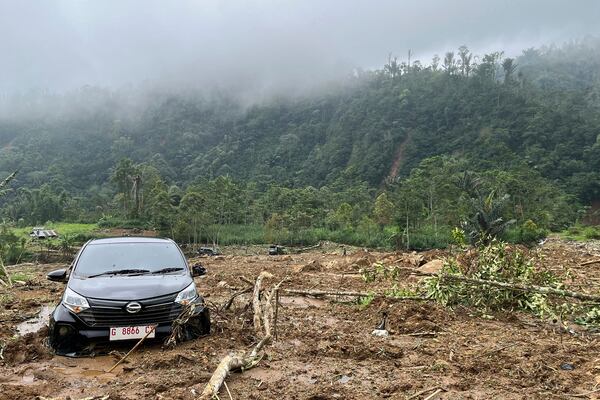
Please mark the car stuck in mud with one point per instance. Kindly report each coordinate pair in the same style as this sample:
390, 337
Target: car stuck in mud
122, 289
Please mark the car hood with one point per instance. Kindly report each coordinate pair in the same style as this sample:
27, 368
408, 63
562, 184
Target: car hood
129, 287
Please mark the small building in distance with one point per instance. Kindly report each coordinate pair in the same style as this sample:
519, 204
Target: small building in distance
39, 232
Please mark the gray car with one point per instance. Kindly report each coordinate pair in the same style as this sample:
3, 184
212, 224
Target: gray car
121, 289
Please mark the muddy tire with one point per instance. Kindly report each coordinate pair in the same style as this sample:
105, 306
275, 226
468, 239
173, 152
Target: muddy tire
198, 326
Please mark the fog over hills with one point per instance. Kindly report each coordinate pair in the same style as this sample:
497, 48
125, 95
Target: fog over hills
258, 47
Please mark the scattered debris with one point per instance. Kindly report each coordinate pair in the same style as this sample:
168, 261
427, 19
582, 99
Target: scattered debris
567, 367
321, 344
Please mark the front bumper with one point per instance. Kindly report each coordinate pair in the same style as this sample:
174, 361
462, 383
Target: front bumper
68, 333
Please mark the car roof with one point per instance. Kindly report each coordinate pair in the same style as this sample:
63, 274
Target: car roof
129, 239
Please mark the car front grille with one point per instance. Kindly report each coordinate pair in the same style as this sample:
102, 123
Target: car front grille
112, 313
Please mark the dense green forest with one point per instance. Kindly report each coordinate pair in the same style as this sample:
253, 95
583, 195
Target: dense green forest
392, 157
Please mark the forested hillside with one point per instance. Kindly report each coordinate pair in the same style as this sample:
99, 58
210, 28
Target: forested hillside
419, 147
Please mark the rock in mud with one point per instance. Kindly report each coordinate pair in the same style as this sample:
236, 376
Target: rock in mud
432, 267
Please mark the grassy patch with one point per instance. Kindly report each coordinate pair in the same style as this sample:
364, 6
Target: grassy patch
20, 276
581, 233
6, 298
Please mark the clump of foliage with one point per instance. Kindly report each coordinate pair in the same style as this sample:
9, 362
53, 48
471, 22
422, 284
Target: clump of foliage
500, 262
581, 232
495, 262
528, 233
12, 247
378, 271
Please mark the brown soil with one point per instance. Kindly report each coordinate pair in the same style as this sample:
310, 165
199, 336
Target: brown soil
324, 349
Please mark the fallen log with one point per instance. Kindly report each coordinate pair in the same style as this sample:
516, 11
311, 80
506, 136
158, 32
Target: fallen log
322, 293
524, 288
316, 246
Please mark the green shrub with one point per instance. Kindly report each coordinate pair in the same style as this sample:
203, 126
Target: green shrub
591, 232
528, 233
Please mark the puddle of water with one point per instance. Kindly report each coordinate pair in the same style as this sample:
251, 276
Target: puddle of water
36, 323
302, 302
92, 373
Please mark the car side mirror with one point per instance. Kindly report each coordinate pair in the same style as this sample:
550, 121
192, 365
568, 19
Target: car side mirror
59, 275
198, 270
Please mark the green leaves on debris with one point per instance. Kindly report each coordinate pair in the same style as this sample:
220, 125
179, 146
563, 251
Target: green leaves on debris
500, 277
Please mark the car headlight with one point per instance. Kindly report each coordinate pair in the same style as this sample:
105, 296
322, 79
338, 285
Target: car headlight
187, 295
74, 301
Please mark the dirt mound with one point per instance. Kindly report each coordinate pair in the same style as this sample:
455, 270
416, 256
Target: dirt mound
417, 317
30, 347
313, 266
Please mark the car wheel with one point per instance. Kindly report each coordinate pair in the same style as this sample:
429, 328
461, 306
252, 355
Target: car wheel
199, 325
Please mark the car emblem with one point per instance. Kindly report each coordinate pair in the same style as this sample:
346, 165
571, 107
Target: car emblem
133, 307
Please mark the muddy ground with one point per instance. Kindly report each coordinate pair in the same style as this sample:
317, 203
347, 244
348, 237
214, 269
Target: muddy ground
324, 348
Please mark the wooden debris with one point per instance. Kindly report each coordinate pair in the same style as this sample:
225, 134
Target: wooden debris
436, 388
177, 333
5, 274
321, 293
256, 301
432, 395
240, 360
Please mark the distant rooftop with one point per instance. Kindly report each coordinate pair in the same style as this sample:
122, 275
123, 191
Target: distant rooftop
39, 232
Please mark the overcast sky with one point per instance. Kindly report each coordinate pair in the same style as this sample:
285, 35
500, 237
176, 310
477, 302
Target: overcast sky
60, 45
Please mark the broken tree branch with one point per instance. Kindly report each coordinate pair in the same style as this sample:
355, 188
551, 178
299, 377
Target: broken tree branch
263, 317
321, 293
177, 327
229, 302
525, 288
269, 315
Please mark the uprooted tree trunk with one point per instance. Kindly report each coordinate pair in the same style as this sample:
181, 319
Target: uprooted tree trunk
263, 322
4, 276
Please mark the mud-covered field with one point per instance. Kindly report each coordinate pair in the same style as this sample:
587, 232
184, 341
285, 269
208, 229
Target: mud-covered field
324, 348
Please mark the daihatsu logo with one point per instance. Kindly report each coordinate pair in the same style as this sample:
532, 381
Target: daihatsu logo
133, 307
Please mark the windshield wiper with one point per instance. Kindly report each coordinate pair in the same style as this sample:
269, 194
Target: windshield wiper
121, 272
167, 270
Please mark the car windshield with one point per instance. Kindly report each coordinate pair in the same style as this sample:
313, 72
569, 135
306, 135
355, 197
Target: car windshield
129, 259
